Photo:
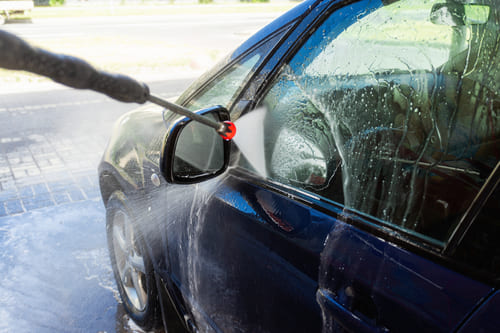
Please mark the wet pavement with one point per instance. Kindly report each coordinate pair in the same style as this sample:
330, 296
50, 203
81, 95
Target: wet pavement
56, 274
51, 143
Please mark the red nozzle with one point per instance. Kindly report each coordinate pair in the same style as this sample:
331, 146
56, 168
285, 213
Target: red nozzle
229, 132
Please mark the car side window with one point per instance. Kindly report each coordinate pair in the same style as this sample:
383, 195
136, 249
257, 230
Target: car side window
226, 86
393, 111
222, 89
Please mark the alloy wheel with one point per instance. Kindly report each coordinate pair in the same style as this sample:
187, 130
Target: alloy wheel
129, 261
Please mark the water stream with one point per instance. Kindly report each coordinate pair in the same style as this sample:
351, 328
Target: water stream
250, 139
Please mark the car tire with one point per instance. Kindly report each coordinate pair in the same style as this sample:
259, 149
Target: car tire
131, 264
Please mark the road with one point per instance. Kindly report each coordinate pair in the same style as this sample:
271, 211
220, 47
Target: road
67, 111
150, 48
223, 30
56, 275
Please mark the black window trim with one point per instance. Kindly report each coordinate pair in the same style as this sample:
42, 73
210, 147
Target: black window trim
302, 31
470, 215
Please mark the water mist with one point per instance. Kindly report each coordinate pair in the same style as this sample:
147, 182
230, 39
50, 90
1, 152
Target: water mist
250, 139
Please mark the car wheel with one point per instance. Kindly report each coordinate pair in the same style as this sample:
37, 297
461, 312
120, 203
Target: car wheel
131, 265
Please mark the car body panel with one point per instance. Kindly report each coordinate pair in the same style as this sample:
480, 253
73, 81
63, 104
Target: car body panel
486, 318
388, 287
137, 139
247, 247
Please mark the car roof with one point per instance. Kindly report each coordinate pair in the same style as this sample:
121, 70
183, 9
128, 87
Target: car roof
290, 16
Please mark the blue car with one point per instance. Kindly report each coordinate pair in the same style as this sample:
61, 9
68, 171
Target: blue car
360, 193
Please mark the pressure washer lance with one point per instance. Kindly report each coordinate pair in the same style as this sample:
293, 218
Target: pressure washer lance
17, 54
225, 129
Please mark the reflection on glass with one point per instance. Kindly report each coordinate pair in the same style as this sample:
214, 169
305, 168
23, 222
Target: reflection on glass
199, 150
225, 87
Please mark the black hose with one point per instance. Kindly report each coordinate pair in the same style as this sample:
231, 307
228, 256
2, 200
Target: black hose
16, 54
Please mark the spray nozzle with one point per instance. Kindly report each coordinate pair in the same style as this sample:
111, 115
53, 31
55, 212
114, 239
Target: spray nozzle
227, 130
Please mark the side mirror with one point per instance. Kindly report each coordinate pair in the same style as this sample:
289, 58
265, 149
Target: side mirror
194, 152
456, 14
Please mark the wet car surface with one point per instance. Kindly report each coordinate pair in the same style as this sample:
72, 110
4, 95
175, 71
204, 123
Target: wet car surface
359, 195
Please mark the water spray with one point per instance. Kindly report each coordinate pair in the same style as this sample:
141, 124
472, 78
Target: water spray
17, 54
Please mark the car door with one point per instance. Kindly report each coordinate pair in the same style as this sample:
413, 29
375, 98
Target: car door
411, 122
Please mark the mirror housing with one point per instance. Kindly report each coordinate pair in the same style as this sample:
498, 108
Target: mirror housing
194, 152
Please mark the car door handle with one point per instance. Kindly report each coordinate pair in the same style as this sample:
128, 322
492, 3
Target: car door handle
344, 317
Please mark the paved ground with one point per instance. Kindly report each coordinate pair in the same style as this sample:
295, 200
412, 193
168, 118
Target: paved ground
51, 143
56, 275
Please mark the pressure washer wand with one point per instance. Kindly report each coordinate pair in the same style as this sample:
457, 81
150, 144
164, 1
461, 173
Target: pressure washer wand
16, 54
225, 129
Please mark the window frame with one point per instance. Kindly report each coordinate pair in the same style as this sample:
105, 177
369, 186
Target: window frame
224, 69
